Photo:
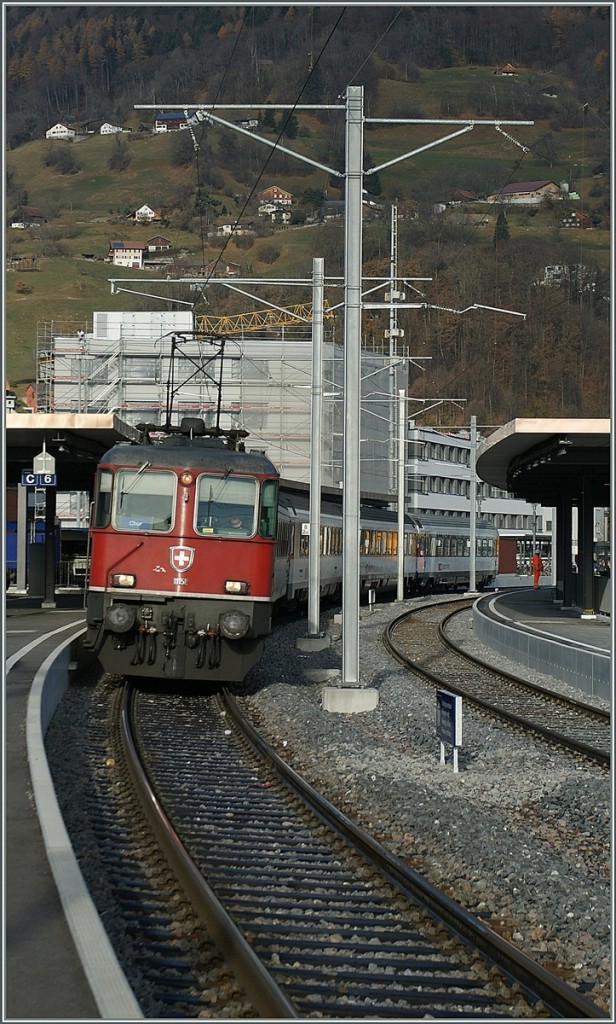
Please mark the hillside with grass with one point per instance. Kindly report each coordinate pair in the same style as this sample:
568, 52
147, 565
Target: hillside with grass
555, 362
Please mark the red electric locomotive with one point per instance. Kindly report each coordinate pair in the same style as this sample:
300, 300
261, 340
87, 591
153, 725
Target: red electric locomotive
182, 555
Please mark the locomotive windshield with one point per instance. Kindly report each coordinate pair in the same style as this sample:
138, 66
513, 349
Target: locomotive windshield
226, 505
144, 500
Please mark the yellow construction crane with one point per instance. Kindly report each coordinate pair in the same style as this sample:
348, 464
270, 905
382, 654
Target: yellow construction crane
257, 320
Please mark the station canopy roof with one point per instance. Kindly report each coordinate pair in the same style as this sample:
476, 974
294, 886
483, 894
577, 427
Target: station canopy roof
75, 440
542, 459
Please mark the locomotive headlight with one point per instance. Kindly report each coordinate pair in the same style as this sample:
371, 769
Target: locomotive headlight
186, 478
120, 618
123, 579
236, 587
234, 625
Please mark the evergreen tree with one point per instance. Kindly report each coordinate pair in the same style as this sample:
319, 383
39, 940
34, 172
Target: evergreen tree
289, 125
501, 231
268, 121
372, 182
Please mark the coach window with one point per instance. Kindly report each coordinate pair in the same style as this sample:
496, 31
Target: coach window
226, 505
304, 541
143, 500
324, 540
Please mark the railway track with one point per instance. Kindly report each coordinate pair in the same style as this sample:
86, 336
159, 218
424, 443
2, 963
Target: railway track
419, 639
315, 917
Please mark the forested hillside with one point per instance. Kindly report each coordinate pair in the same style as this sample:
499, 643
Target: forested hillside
98, 61
90, 63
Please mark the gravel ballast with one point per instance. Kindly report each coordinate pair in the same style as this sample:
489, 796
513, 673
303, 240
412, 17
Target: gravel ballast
519, 835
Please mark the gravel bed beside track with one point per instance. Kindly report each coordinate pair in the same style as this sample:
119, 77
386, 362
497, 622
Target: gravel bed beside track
520, 835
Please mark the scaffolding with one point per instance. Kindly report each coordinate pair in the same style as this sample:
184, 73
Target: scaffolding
122, 362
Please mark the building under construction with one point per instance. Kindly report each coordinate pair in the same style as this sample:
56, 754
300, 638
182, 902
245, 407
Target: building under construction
253, 371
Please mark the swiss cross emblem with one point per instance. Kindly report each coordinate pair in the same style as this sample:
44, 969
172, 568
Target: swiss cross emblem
181, 558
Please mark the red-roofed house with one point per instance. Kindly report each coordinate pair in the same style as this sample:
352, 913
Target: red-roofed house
127, 254
28, 217
275, 194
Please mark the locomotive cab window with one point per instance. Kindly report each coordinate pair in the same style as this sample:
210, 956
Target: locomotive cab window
144, 500
102, 500
269, 505
226, 506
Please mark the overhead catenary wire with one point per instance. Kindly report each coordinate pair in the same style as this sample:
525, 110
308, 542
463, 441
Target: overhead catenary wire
507, 330
281, 132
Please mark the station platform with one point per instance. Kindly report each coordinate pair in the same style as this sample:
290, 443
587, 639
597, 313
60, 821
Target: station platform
527, 626
55, 965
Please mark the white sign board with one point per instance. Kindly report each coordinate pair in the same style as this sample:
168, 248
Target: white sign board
44, 463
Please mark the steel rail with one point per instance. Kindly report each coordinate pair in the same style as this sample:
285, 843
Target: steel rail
602, 757
590, 709
258, 983
554, 993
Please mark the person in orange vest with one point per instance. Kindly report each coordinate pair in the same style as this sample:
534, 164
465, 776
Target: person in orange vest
537, 567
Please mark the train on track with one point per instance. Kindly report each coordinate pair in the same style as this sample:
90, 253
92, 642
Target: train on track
194, 542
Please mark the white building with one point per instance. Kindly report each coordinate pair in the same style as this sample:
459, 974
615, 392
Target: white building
122, 362
110, 129
60, 131
145, 215
439, 483
127, 254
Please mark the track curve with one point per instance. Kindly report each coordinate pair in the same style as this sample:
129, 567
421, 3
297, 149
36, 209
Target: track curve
330, 922
419, 640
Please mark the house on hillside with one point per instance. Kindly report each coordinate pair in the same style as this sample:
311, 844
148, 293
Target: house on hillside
331, 208
507, 69
10, 398
61, 131
172, 121
577, 219
266, 209
112, 129
28, 217
158, 243
144, 215
127, 254
529, 192
577, 275
275, 194
221, 268
459, 197
371, 203
22, 263
235, 228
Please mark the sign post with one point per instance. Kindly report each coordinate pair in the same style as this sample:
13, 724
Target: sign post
449, 723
